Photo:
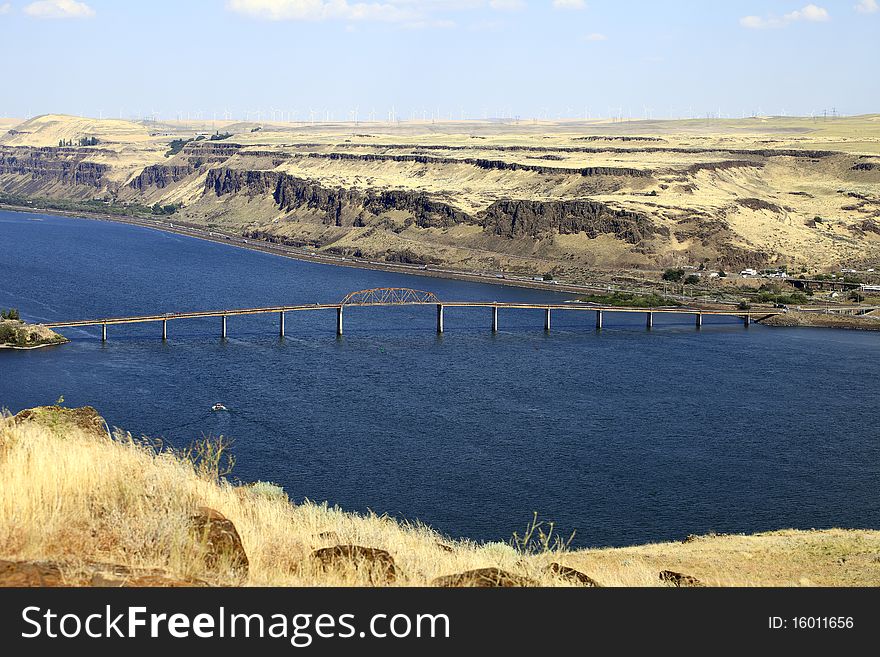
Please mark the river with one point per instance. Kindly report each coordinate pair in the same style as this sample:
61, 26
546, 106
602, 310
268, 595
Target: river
624, 435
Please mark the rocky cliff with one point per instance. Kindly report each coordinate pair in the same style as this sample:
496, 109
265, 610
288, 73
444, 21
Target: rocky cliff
339, 207
509, 218
488, 164
161, 176
534, 218
49, 164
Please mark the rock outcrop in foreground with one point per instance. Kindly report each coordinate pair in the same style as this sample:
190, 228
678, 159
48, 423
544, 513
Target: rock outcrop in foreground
82, 507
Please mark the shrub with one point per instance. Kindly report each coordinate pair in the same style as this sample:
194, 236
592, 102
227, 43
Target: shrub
268, 490
164, 209
176, 145
8, 335
693, 279
626, 299
856, 296
12, 313
673, 275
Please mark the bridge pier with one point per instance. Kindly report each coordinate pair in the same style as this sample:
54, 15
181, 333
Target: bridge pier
494, 319
547, 319
103, 333
649, 322
439, 318
164, 330
699, 317
281, 324
747, 319
339, 321
223, 327
598, 319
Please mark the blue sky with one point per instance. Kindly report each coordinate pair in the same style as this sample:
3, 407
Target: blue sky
471, 58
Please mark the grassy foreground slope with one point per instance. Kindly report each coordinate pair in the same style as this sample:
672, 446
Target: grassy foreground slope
80, 507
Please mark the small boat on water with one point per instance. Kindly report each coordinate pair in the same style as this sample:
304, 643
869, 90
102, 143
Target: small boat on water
219, 407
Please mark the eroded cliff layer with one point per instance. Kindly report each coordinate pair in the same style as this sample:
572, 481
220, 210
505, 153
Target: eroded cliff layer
63, 165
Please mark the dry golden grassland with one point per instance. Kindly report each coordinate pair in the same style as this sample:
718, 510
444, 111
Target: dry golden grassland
90, 504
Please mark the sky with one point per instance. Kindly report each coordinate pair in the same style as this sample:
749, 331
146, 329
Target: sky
427, 59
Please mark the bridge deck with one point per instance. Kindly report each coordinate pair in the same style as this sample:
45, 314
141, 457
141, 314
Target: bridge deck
446, 304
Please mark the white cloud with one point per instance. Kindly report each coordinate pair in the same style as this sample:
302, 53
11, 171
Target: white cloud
569, 4
58, 9
867, 7
810, 13
318, 10
409, 13
596, 36
5, 8
507, 5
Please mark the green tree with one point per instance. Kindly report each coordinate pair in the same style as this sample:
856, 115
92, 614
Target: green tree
673, 275
693, 279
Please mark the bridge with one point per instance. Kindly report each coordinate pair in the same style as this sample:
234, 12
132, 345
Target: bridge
396, 296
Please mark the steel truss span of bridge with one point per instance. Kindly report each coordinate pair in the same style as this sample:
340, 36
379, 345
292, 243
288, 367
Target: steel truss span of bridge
394, 296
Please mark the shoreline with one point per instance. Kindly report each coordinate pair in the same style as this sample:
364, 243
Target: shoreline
188, 230
293, 253
36, 346
795, 319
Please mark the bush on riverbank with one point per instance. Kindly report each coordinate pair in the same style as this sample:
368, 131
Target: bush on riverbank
73, 207
628, 300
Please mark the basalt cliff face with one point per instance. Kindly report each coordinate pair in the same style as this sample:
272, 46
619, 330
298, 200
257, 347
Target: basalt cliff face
535, 218
161, 176
515, 199
338, 207
67, 166
509, 219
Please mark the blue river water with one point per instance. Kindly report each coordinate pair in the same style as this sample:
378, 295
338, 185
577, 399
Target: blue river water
624, 435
